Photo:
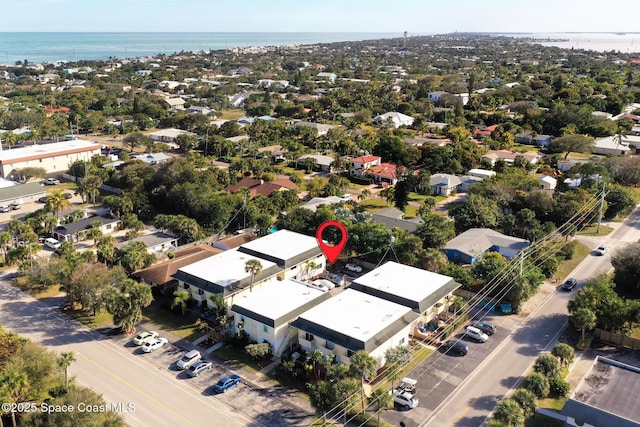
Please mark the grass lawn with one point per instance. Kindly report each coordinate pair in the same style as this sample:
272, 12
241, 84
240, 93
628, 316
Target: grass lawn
355, 186
232, 114
101, 319
539, 420
574, 155
421, 352
567, 266
374, 205
552, 404
410, 212
182, 326
239, 357
591, 230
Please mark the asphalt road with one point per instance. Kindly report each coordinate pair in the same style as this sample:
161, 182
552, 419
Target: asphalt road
477, 395
108, 367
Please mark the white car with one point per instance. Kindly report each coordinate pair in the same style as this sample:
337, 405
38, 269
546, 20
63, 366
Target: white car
51, 181
154, 344
319, 286
346, 197
337, 279
324, 282
601, 250
144, 337
354, 268
405, 399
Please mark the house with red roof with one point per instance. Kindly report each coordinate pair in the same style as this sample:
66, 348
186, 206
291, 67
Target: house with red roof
483, 131
372, 167
259, 187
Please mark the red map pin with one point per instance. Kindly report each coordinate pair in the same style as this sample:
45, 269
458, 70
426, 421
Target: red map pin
331, 252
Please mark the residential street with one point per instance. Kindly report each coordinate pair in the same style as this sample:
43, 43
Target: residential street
111, 369
475, 398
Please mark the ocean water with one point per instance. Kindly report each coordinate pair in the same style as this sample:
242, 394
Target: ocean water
599, 42
52, 47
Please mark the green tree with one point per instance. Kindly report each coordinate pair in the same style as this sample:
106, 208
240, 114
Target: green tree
13, 388
381, 399
572, 143
347, 395
180, 299
627, 269
558, 387
135, 139
476, 212
64, 361
253, 267
126, 302
322, 396
584, 319
538, 384
564, 353
362, 366
57, 202
548, 365
527, 401
396, 358
510, 413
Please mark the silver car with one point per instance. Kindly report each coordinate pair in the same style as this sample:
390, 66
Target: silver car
199, 367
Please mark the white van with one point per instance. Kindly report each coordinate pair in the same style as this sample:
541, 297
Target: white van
52, 243
477, 334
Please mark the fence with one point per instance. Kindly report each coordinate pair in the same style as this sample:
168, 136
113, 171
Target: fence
104, 187
617, 339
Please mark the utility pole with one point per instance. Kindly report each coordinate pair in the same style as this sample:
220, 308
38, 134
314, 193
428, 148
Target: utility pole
521, 262
601, 208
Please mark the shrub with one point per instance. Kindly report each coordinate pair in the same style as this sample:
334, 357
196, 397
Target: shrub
548, 365
564, 353
510, 413
527, 401
567, 250
258, 351
538, 384
558, 387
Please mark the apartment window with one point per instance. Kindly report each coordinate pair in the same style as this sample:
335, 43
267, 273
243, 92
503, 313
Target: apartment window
308, 336
401, 342
185, 285
329, 345
265, 328
350, 353
200, 292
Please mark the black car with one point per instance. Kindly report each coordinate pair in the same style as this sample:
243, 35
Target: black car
486, 327
569, 284
457, 347
43, 199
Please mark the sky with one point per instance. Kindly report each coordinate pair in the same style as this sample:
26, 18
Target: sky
417, 17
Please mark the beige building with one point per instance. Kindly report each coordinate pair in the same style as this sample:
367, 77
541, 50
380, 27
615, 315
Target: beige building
54, 157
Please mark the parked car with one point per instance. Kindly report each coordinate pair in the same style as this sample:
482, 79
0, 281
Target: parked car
14, 206
154, 344
43, 199
5, 208
346, 197
328, 283
67, 195
337, 279
354, 268
51, 181
144, 337
569, 284
601, 250
457, 347
190, 358
226, 383
486, 327
476, 334
52, 243
199, 367
405, 399
319, 286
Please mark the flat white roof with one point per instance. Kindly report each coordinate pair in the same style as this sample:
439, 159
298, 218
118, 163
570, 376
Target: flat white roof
225, 268
356, 314
289, 295
404, 281
282, 244
45, 150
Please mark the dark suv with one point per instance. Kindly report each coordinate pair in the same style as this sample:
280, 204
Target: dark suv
569, 284
457, 347
486, 327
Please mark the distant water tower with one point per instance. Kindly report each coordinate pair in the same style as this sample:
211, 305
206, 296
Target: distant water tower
404, 41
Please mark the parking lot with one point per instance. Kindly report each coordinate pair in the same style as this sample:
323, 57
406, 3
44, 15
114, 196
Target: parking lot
441, 373
268, 406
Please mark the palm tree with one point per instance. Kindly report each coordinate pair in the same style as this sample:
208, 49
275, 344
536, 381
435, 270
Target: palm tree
253, 267
584, 319
57, 202
322, 396
64, 361
13, 386
180, 300
382, 399
310, 266
620, 135
5, 238
95, 232
363, 366
388, 193
364, 194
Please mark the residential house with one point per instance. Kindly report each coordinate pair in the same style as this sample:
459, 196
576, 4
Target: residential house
602, 114
176, 104
273, 84
322, 129
54, 157
484, 131
325, 163
152, 158
76, 231
443, 184
283, 255
393, 217
168, 136
263, 321
12, 192
313, 204
372, 167
428, 294
354, 321
608, 146
196, 109
155, 242
330, 77
393, 119
160, 275
471, 245
532, 138
532, 157
240, 72
437, 95
481, 173
607, 395
260, 187
547, 182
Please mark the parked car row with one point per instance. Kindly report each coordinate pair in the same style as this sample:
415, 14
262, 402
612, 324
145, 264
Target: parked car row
478, 331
